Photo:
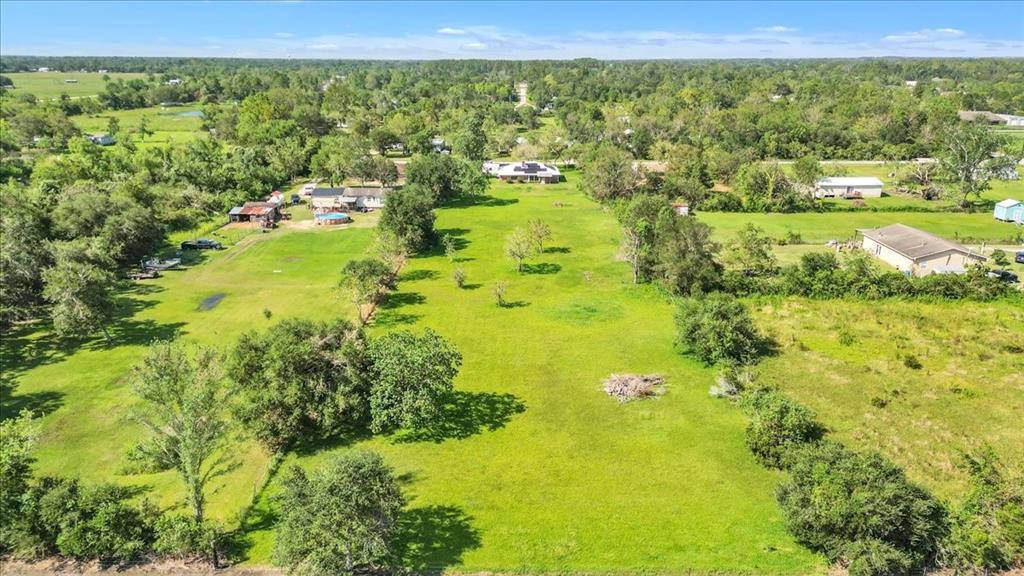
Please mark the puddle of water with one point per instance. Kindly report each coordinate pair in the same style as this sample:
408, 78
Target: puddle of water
211, 302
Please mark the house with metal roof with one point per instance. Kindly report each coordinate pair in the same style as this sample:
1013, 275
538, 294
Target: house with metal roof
531, 171
848, 187
1009, 210
917, 252
347, 198
262, 213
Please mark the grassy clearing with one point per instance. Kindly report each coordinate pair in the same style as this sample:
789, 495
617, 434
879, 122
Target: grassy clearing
822, 227
46, 85
542, 472
999, 190
847, 363
169, 125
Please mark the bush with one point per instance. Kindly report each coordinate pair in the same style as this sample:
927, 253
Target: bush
835, 497
182, 537
987, 529
717, 328
876, 558
777, 425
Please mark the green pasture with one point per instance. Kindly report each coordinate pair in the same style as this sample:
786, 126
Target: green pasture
820, 227
47, 85
169, 125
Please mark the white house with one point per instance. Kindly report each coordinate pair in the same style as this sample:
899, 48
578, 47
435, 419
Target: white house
848, 187
335, 199
531, 171
916, 252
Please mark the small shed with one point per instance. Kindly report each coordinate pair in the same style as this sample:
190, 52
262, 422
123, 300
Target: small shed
263, 213
1009, 210
681, 209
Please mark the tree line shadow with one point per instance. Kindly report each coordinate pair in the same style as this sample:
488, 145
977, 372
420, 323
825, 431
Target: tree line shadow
473, 200
466, 414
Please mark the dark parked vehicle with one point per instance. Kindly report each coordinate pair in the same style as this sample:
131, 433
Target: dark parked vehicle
1019, 259
295, 199
201, 244
1004, 275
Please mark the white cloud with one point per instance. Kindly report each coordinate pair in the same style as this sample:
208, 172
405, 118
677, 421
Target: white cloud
487, 41
925, 35
283, 34
451, 31
776, 29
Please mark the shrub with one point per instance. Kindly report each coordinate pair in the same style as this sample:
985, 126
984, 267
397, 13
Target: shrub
911, 361
459, 275
717, 328
182, 537
777, 425
876, 558
835, 497
987, 528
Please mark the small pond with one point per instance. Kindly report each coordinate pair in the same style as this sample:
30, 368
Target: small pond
211, 302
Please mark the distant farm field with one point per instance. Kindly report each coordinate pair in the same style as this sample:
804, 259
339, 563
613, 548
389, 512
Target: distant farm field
169, 125
817, 227
47, 85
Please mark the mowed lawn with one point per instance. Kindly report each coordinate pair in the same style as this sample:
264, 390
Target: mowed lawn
84, 389
847, 362
169, 125
538, 469
47, 85
818, 227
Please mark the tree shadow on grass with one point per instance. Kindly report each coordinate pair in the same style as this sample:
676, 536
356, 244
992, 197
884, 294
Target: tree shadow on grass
470, 201
432, 538
399, 299
38, 403
471, 286
414, 275
514, 304
466, 414
390, 319
542, 268
437, 248
313, 443
557, 250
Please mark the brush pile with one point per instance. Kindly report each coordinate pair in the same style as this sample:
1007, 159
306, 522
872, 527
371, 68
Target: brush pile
628, 387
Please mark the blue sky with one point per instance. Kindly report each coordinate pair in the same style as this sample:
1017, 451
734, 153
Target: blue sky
522, 30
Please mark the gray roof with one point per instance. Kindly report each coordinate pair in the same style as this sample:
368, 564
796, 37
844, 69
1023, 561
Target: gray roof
913, 243
349, 191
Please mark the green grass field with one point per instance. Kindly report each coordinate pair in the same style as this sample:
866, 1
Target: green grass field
170, 125
822, 227
539, 470
542, 471
999, 189
847, 363
47, 85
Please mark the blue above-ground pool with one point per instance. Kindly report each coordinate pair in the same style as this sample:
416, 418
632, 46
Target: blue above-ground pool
333, 218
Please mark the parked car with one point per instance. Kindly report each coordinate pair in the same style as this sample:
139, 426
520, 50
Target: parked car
307, 190
201, 244
1019, 259
1004, 275
296, 199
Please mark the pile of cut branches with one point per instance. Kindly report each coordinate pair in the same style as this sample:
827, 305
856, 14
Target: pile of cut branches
628, 387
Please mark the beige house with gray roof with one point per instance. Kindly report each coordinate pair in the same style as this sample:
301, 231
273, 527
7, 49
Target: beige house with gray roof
917, 252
